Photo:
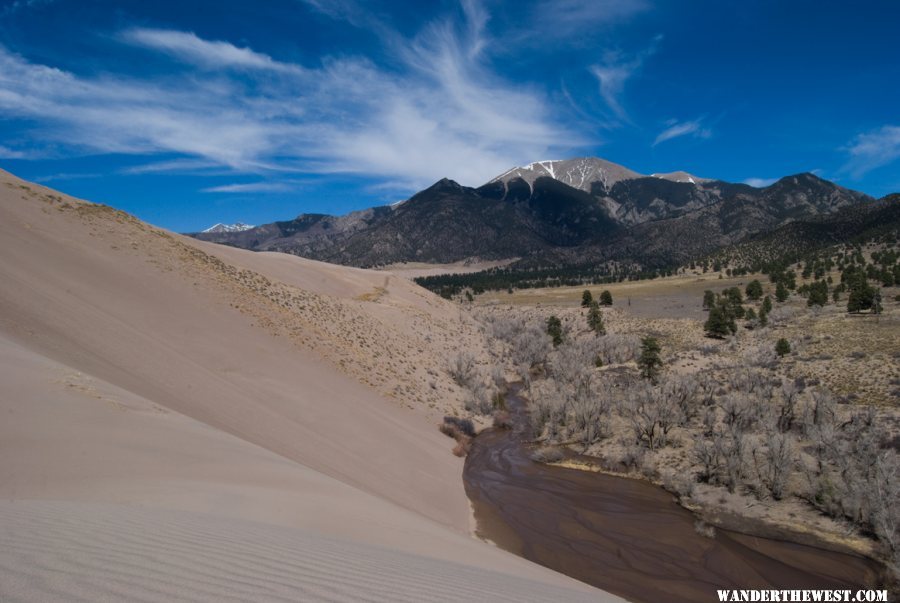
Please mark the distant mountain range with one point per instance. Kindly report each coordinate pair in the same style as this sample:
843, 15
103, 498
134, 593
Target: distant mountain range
555, 212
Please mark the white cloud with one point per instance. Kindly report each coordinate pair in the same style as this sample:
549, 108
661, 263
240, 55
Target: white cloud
872, 150
8, 153
676, 128
251, 187
172, 166
614, 71
563, 18
760, 182
437, 111
187, 47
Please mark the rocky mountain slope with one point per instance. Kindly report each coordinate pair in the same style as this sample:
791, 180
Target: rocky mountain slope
553, 212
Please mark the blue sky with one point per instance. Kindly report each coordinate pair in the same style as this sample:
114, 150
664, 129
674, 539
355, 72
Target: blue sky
189, 113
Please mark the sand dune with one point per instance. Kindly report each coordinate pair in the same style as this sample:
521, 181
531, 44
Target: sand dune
183, 421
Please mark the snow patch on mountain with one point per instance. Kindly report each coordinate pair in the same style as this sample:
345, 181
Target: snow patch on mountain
236, 227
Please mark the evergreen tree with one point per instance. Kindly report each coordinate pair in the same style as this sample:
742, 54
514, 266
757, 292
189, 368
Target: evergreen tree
782, 348
818, 294
586, 299
649, 361
606, 298
709, 299
862, 295
767, 304
719, 323
763, 316
754, 290
750, 315
781, 292
595, 319
554, 329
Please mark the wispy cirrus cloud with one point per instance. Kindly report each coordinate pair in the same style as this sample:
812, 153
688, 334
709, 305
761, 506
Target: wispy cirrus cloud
562, 18
675, 129
614, 71
872, 150
188, 47
437, 110
252, 187
8, 153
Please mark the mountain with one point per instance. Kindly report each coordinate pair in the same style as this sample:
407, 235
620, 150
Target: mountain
236, 227
853, 224
556, 212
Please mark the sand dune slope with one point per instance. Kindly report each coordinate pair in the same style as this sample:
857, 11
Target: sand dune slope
106, 553
178, 425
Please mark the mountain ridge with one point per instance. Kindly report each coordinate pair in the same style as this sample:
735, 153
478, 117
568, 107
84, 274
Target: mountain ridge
535, 213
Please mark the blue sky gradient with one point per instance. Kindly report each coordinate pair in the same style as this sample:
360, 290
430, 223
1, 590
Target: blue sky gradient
189, 113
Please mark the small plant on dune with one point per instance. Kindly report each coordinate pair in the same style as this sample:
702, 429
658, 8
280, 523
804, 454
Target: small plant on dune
461, 430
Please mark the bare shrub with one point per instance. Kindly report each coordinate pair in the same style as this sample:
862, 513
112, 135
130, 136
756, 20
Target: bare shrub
776, 463
461, 430
787, 411
453, 425
708, 456
761, 357
547, 454
680, 483
704, 529
682, 391
883, 497
739, 413
506, 328
498, 376
617, 348
641, 411
730, 448
822, 409
530, 348
479, 399
461, 368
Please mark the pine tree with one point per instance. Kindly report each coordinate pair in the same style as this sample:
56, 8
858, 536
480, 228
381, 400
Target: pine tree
606, 298
649, 361
554, 330
709, 299
754, 290
818, 294
719, 323
595, 319
586, 299
767, 304
781, 292
750, 316
782, 348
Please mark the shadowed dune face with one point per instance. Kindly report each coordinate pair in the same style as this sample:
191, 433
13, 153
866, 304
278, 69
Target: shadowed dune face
143, 369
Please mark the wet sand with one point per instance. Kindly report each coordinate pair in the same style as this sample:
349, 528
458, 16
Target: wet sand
626, 536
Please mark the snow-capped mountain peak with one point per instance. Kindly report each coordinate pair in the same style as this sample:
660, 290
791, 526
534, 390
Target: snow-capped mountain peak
578, 173
236, 227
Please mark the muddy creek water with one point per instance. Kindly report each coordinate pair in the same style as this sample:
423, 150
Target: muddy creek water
626, 536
